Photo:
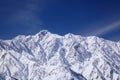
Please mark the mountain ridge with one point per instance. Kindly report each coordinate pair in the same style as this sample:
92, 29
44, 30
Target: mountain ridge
48, 56
42, 31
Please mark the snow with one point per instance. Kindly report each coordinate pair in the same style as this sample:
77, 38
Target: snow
48, 56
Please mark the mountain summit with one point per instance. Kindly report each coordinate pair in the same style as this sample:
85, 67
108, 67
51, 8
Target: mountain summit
47, 56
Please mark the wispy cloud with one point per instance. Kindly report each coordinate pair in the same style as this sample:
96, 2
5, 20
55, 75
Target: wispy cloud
106, 29
28, 15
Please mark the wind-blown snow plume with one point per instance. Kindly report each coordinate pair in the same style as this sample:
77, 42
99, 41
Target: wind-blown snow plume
106, 29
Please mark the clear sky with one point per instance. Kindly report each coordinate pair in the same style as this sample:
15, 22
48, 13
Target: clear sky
82, 17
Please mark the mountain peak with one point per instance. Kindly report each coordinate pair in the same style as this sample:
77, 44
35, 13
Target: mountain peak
42, 33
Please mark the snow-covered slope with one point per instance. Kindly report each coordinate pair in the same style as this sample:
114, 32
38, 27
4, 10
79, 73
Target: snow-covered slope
47, 56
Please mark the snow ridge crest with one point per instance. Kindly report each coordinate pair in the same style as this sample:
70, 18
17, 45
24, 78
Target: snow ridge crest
48, 56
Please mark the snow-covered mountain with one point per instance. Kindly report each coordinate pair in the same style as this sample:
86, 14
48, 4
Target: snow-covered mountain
47, 56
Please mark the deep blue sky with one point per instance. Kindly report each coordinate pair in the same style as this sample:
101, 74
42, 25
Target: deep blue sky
83, 17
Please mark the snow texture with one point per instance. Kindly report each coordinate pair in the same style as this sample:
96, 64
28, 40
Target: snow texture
48, 56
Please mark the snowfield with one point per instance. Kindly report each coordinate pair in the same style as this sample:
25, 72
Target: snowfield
48, 56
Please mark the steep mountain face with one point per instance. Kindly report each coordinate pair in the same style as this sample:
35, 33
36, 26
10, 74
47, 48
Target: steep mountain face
47, 56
